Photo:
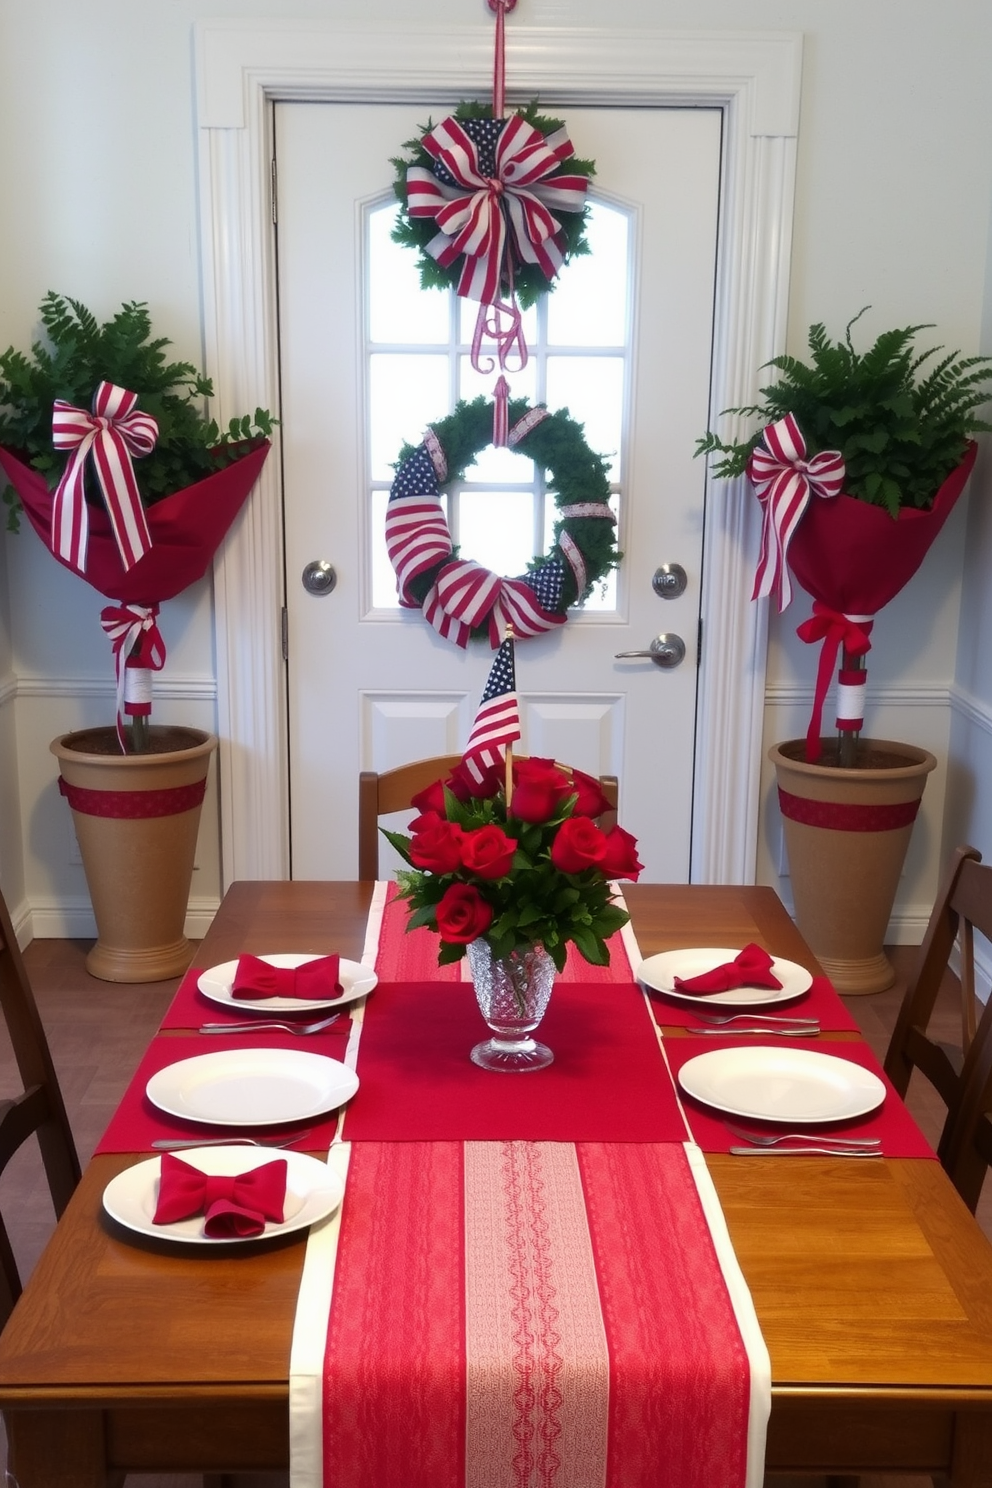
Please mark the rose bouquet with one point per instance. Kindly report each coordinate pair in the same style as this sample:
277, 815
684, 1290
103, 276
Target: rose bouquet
531, 870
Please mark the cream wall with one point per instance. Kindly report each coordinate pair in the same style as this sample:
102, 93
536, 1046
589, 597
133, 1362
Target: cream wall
97, 167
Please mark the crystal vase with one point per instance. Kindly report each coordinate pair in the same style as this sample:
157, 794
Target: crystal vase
513, 994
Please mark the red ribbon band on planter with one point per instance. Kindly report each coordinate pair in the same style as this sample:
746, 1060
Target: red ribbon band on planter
837, 816
134, 805
783, 481
112, 433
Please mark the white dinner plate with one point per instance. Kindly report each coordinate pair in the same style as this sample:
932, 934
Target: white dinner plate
659, 972
217, 983
777, 1083
252, 1087
312, 1192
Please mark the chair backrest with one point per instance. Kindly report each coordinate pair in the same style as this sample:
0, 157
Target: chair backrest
39, 1108
961, 1074
378, 795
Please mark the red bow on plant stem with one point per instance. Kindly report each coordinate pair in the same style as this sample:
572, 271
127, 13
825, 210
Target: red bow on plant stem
834, 630
112, 433
783, 481
138, 650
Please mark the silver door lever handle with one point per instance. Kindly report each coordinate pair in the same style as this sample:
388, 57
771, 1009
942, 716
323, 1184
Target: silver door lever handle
665, 651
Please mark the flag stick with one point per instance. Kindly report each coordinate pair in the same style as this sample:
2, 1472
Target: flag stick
508, 788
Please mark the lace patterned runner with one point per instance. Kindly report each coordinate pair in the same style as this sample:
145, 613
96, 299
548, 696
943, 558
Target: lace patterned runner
512, 1314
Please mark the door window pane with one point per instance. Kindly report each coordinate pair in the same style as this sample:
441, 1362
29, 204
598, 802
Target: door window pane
418, 360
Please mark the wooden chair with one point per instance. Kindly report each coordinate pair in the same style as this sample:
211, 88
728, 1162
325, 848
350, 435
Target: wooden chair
961, 1075
378, 795
39, 1108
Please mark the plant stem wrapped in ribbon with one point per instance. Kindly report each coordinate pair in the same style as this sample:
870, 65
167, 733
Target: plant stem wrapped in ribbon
139, 534
858, 464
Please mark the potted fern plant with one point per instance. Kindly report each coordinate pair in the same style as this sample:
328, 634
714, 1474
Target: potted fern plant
107, 452
857, 459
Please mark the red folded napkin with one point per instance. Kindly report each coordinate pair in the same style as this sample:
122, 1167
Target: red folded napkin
317, 979
233, 1203
751, 967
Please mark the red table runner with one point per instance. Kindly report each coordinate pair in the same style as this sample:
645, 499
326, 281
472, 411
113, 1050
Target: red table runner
137, 1123
509, 1314
608, 1082
900, 1135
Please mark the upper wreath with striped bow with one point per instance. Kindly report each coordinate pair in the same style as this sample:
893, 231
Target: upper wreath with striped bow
460, 597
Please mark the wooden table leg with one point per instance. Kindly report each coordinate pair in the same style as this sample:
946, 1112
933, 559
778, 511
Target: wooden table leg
57, 1449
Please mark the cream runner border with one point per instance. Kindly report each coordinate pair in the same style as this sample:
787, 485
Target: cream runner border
306, 1366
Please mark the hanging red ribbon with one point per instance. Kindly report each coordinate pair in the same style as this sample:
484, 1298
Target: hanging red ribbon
834, 630
137, 642
784, 480
112, 433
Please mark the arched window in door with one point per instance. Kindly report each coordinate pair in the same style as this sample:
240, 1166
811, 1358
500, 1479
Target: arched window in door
417, 366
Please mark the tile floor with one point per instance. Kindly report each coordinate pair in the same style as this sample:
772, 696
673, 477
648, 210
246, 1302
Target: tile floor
98, 1031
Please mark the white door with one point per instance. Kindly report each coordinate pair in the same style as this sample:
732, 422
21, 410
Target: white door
371, 686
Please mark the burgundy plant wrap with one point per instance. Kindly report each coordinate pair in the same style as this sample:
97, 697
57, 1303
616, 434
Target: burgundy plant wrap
186, 528
854, 558
137, 805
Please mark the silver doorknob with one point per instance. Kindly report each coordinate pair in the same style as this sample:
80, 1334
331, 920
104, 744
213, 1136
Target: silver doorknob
665, 651
319, 577
669, 581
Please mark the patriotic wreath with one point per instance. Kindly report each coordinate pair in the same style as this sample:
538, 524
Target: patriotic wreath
460, 597
478, 202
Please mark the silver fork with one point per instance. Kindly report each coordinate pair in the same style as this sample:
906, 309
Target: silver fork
821, 1139
302, 1029
719, 1022
178, 1144
770, 1030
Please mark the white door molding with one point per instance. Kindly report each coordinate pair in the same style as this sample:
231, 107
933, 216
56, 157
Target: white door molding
241, 67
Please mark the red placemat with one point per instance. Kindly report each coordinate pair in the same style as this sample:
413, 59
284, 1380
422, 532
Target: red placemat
608, 1082
137, 1123
900, 1135
189, 1008
821, 1002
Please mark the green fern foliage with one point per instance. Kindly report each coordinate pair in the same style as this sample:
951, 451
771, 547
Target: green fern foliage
900, 433
77, 354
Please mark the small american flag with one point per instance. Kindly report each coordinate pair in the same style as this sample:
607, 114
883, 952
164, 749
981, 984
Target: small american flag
497, 722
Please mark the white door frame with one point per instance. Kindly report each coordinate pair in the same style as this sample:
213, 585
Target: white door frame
242, 67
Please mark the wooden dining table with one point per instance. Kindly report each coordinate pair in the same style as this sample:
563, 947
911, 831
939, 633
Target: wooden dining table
871, 1281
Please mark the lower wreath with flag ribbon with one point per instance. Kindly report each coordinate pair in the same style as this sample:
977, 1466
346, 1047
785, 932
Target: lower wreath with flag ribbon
460, 597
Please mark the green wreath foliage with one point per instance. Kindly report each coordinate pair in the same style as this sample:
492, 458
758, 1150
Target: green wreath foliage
529, 282
574, 474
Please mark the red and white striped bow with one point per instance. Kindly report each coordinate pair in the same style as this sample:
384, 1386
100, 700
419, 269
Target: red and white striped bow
137, 642
112, 433
465, 594
481, 216
784, 480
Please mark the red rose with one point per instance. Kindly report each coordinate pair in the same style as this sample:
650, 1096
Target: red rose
438, 847
578, 844
591, 800
621, 860
431, 798
538, 787
423, 821
488, 851
463, 914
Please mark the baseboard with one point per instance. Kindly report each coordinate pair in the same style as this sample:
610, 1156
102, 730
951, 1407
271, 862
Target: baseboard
72, 919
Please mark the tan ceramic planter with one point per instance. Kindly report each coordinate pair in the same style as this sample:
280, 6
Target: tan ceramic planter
136, 818
846, 835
